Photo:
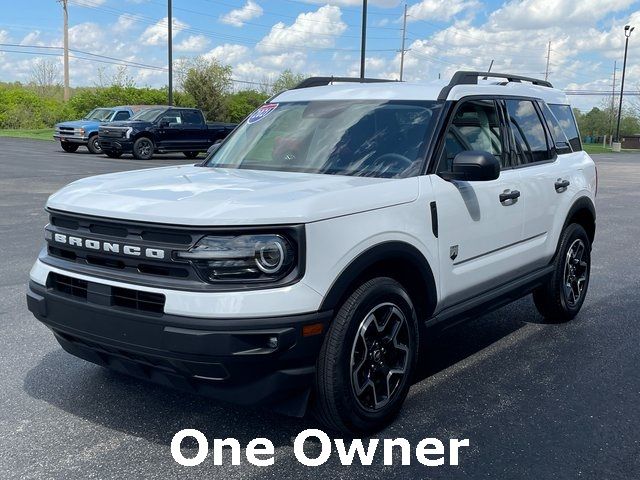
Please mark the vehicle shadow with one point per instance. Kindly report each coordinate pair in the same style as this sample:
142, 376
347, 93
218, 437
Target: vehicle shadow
156, 413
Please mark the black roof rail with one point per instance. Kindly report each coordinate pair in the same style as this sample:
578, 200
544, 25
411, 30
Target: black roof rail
321, 81
471, 78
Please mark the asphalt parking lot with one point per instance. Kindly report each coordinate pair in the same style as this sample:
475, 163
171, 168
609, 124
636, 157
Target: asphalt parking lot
536, 401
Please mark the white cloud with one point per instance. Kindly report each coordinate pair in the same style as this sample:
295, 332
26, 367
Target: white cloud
317, 29
531, 14
31, 38
194, 43
228, 54
125, 22
157, 34
239, 16
86, 36
439, 9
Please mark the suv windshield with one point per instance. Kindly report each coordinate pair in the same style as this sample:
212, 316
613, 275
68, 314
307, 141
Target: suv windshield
149, 114
99, 114
362, 138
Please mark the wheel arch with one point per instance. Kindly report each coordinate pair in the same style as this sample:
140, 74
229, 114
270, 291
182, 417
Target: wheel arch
583, 212
398, 260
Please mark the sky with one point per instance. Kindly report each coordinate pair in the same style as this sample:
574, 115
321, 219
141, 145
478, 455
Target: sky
260, 38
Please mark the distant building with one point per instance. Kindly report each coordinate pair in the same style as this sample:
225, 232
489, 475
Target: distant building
630, 141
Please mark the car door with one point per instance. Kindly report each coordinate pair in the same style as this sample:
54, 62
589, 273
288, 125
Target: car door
194, 133
170, 130
545, 168
479, 232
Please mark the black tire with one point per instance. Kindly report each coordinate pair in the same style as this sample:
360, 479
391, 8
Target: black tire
143, 148
336, 403
94, 145
69, 147
112, 153
562, 296
190, 154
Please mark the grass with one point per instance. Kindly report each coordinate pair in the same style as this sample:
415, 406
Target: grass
36, 134
595, 148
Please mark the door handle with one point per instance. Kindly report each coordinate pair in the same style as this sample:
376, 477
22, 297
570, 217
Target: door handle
509, 195
561, 185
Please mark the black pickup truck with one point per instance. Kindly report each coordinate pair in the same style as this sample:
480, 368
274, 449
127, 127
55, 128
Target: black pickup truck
162, 130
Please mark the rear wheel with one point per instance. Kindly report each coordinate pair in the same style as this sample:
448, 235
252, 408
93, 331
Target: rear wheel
143, 148
368, 359
561, 298
69, 147
190, 154
94, 144
113, 153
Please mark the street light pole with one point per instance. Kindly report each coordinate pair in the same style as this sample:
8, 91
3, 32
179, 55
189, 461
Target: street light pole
364, 38
627, 33
170, 51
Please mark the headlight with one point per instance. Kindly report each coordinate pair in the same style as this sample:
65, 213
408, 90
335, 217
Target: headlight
253, 258
128, 131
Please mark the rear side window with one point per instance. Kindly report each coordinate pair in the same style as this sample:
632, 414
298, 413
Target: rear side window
191, 117
567, 121
528, 133
475, 126
121, 115
561, 142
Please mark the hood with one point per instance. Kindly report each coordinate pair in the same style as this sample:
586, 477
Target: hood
79, 123
189, 195
130, 123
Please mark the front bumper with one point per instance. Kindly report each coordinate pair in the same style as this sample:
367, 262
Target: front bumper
71, 138
115, 144
257, 361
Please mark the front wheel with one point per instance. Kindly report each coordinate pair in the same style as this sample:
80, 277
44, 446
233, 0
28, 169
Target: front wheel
94, 144
69, 147
190, 154
368, 359
561, 298
143, 148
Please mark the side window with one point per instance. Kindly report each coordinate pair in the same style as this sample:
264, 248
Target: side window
528, 133
121, 115
561, 142
171, 117
568, 123
475, 126
191, 117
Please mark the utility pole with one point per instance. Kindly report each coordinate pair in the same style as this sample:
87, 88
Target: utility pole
404, 35
546, 72
65, 28
170, 50
627, 33
613, 99
363, 47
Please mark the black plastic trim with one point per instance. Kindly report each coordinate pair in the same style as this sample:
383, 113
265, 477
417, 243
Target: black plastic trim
321, 81
434, 218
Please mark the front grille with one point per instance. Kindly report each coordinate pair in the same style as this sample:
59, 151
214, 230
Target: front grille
124, 233
112, 132
106, 295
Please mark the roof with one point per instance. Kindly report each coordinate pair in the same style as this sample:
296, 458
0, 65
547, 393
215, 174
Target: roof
419, 91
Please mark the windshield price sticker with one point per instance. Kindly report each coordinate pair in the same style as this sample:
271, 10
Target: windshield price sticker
262, 112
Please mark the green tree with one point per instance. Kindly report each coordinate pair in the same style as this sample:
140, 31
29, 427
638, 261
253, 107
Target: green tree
208, 83
241, 104
286, 81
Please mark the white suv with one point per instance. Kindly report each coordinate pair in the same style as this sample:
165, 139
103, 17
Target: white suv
301, 262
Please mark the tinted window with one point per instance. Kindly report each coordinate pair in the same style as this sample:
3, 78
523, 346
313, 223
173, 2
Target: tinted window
528, 133
475, 126
560, 139
568, 123
172, 116
192, 117
121, 115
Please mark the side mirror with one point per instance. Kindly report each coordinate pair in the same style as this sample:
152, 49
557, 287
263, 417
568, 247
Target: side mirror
164, 123
473, 166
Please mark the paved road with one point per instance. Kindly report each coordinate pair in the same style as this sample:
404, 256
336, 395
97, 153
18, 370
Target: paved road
536, 401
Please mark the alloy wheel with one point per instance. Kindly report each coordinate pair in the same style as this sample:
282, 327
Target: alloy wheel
379, 356
576, 270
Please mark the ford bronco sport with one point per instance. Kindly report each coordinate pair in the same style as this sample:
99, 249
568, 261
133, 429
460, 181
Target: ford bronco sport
300, 263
